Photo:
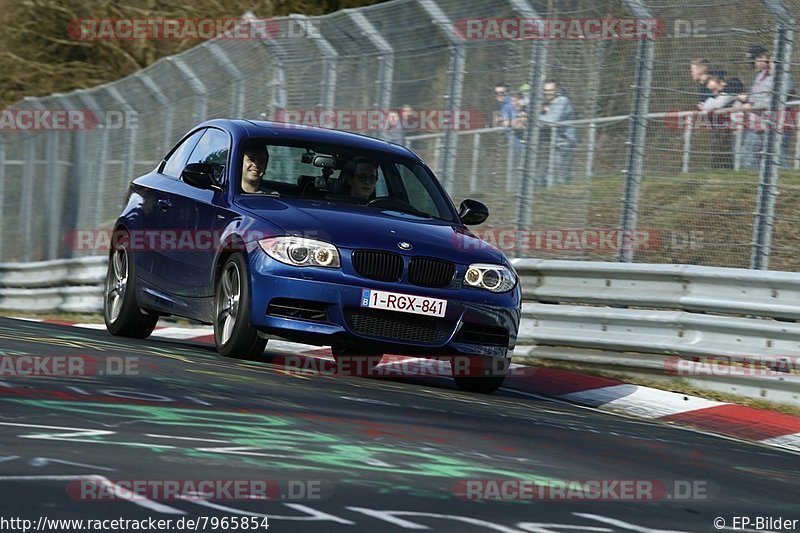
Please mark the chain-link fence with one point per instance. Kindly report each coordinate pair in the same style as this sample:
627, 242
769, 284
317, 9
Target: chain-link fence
588, 136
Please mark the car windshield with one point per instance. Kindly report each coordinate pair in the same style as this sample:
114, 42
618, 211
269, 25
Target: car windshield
341, 174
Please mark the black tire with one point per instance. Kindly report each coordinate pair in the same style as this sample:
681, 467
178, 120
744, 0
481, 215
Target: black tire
123, 317
484, 375
341, 349
365, 368
483, 385
233, 334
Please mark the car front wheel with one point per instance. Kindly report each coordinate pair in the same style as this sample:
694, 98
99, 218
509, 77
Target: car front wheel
233, 334
480, 374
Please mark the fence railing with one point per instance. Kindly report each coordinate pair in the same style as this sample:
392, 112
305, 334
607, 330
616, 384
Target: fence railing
684, 120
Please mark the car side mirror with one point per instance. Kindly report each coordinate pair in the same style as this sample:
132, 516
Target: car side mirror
472, 212
200, 175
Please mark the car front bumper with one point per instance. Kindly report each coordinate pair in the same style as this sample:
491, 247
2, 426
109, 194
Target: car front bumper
476, 322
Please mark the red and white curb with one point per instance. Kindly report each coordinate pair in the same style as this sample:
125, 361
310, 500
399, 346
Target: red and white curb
745, 423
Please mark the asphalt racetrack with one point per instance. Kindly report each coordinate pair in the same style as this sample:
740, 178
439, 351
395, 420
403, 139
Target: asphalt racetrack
341, 453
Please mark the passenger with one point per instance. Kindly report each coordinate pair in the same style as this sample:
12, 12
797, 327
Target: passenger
362, 181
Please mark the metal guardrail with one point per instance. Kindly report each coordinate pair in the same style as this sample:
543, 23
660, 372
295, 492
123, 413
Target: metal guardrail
638, 318
659, 309
70, 285
680, 287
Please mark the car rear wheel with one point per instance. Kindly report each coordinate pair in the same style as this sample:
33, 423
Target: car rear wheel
120, 312
233, 334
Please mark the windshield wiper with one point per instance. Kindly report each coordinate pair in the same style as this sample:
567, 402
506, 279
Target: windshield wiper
397, 205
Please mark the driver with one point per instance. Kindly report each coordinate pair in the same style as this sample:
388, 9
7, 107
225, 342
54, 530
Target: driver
254, 164
362, 181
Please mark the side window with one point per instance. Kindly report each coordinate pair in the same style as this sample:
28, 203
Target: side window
212, 148
177, 158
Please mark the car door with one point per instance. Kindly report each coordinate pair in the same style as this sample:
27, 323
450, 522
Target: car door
156, 200
192, 220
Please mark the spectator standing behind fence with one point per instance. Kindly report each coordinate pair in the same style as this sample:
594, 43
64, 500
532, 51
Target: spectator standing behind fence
394, 128
520, 119
558, 108
505, 112
759, 97
400, 123
721, 154
698, 70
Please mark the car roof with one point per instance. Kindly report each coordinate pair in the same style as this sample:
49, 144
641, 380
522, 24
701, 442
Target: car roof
242, 128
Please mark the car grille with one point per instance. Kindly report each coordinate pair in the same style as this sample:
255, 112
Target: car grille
295, 308
388, 266
483, 334
399, 326
374, 264
431, 272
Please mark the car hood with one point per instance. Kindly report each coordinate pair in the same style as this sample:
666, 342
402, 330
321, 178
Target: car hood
358, 226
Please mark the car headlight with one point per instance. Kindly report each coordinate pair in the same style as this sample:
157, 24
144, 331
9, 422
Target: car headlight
495, 278
299, 251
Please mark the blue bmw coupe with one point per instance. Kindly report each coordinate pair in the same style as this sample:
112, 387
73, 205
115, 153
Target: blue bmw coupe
270, 230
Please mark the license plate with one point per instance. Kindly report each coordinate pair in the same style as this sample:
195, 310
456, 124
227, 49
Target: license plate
405, 303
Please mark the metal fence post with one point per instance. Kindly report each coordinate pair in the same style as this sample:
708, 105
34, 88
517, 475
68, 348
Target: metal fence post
638, 135
278, 98
237, 103
2, 188
551, 157
476, 152
533, 128
167, 108
592, 144
737, 147
796, 146
197, 87
383, 96
130, 159
329, 64
55, 197
76, 184
768, 176
687, 144
454, 90
101, 153
78, 206
26, 201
